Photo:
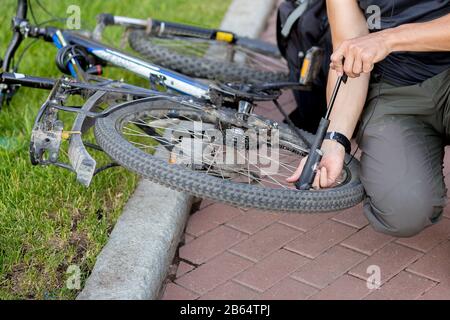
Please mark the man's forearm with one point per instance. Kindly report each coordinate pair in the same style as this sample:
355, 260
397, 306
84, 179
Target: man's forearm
349, 103
420, 37
347, 21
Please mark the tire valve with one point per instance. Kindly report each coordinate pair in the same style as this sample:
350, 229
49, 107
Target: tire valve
65, 135
172, 158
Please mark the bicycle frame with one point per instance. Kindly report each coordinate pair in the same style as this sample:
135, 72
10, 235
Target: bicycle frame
48, 130
161, 76
162, 28
104, 53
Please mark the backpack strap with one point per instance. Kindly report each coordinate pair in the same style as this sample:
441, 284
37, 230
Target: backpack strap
294, 16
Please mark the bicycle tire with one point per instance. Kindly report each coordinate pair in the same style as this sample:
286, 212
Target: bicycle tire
110, 139
199, 67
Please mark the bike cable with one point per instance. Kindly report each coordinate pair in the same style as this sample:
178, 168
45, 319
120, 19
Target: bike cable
54, 18
291, 124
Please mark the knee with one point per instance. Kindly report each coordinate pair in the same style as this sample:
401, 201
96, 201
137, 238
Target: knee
402, 214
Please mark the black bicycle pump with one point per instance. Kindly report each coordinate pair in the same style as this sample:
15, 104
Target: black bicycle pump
315, 155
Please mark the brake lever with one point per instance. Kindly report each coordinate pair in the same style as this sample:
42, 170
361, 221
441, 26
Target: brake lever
7, 92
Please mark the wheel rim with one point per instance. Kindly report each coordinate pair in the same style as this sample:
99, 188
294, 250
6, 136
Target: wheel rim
172, 135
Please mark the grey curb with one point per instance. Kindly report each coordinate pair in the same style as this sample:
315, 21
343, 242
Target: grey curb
135, 261
248, 17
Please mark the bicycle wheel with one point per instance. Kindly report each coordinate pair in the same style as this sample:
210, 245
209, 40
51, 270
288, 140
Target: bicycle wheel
208, 59
155, 139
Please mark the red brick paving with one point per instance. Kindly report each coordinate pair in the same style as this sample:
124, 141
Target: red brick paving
207, 219
403, 286
439, 292
230, 291
259, 255
265, 242
367, 241
328, 234
435, 264
288, 289
391, 259
183, 268
187, 238
305, 222
352, 217
429, 238
271, 270
213, 273
447, 210
176, 292
344, 288
211, 244
329, 266
253, 221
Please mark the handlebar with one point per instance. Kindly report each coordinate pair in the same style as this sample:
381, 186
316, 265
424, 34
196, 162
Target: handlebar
22, 9
21, 14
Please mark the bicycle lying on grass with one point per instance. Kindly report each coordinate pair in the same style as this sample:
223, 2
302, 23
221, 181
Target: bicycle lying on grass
153, 133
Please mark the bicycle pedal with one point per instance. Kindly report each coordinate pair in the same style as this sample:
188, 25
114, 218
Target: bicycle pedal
47, 141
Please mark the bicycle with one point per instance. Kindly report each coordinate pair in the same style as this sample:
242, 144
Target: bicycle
213, 54
168, 123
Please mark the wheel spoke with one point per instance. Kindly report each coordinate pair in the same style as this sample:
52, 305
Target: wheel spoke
178, 135
218, 50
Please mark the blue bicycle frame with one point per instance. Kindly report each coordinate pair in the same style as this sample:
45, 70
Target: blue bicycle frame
167, 78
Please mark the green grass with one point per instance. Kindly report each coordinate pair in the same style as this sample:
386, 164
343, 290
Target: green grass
48, 221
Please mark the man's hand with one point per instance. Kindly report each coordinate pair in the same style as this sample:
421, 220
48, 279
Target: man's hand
359, 55
330, 167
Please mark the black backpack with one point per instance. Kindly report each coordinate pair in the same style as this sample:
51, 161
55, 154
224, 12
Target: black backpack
302, 25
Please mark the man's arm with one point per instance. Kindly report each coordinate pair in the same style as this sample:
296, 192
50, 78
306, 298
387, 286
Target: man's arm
365, 51
347, 21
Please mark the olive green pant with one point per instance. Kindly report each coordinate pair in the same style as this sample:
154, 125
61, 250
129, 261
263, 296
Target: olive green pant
402, 135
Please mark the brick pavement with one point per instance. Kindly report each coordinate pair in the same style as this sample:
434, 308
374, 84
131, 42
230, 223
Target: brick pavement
230, 253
